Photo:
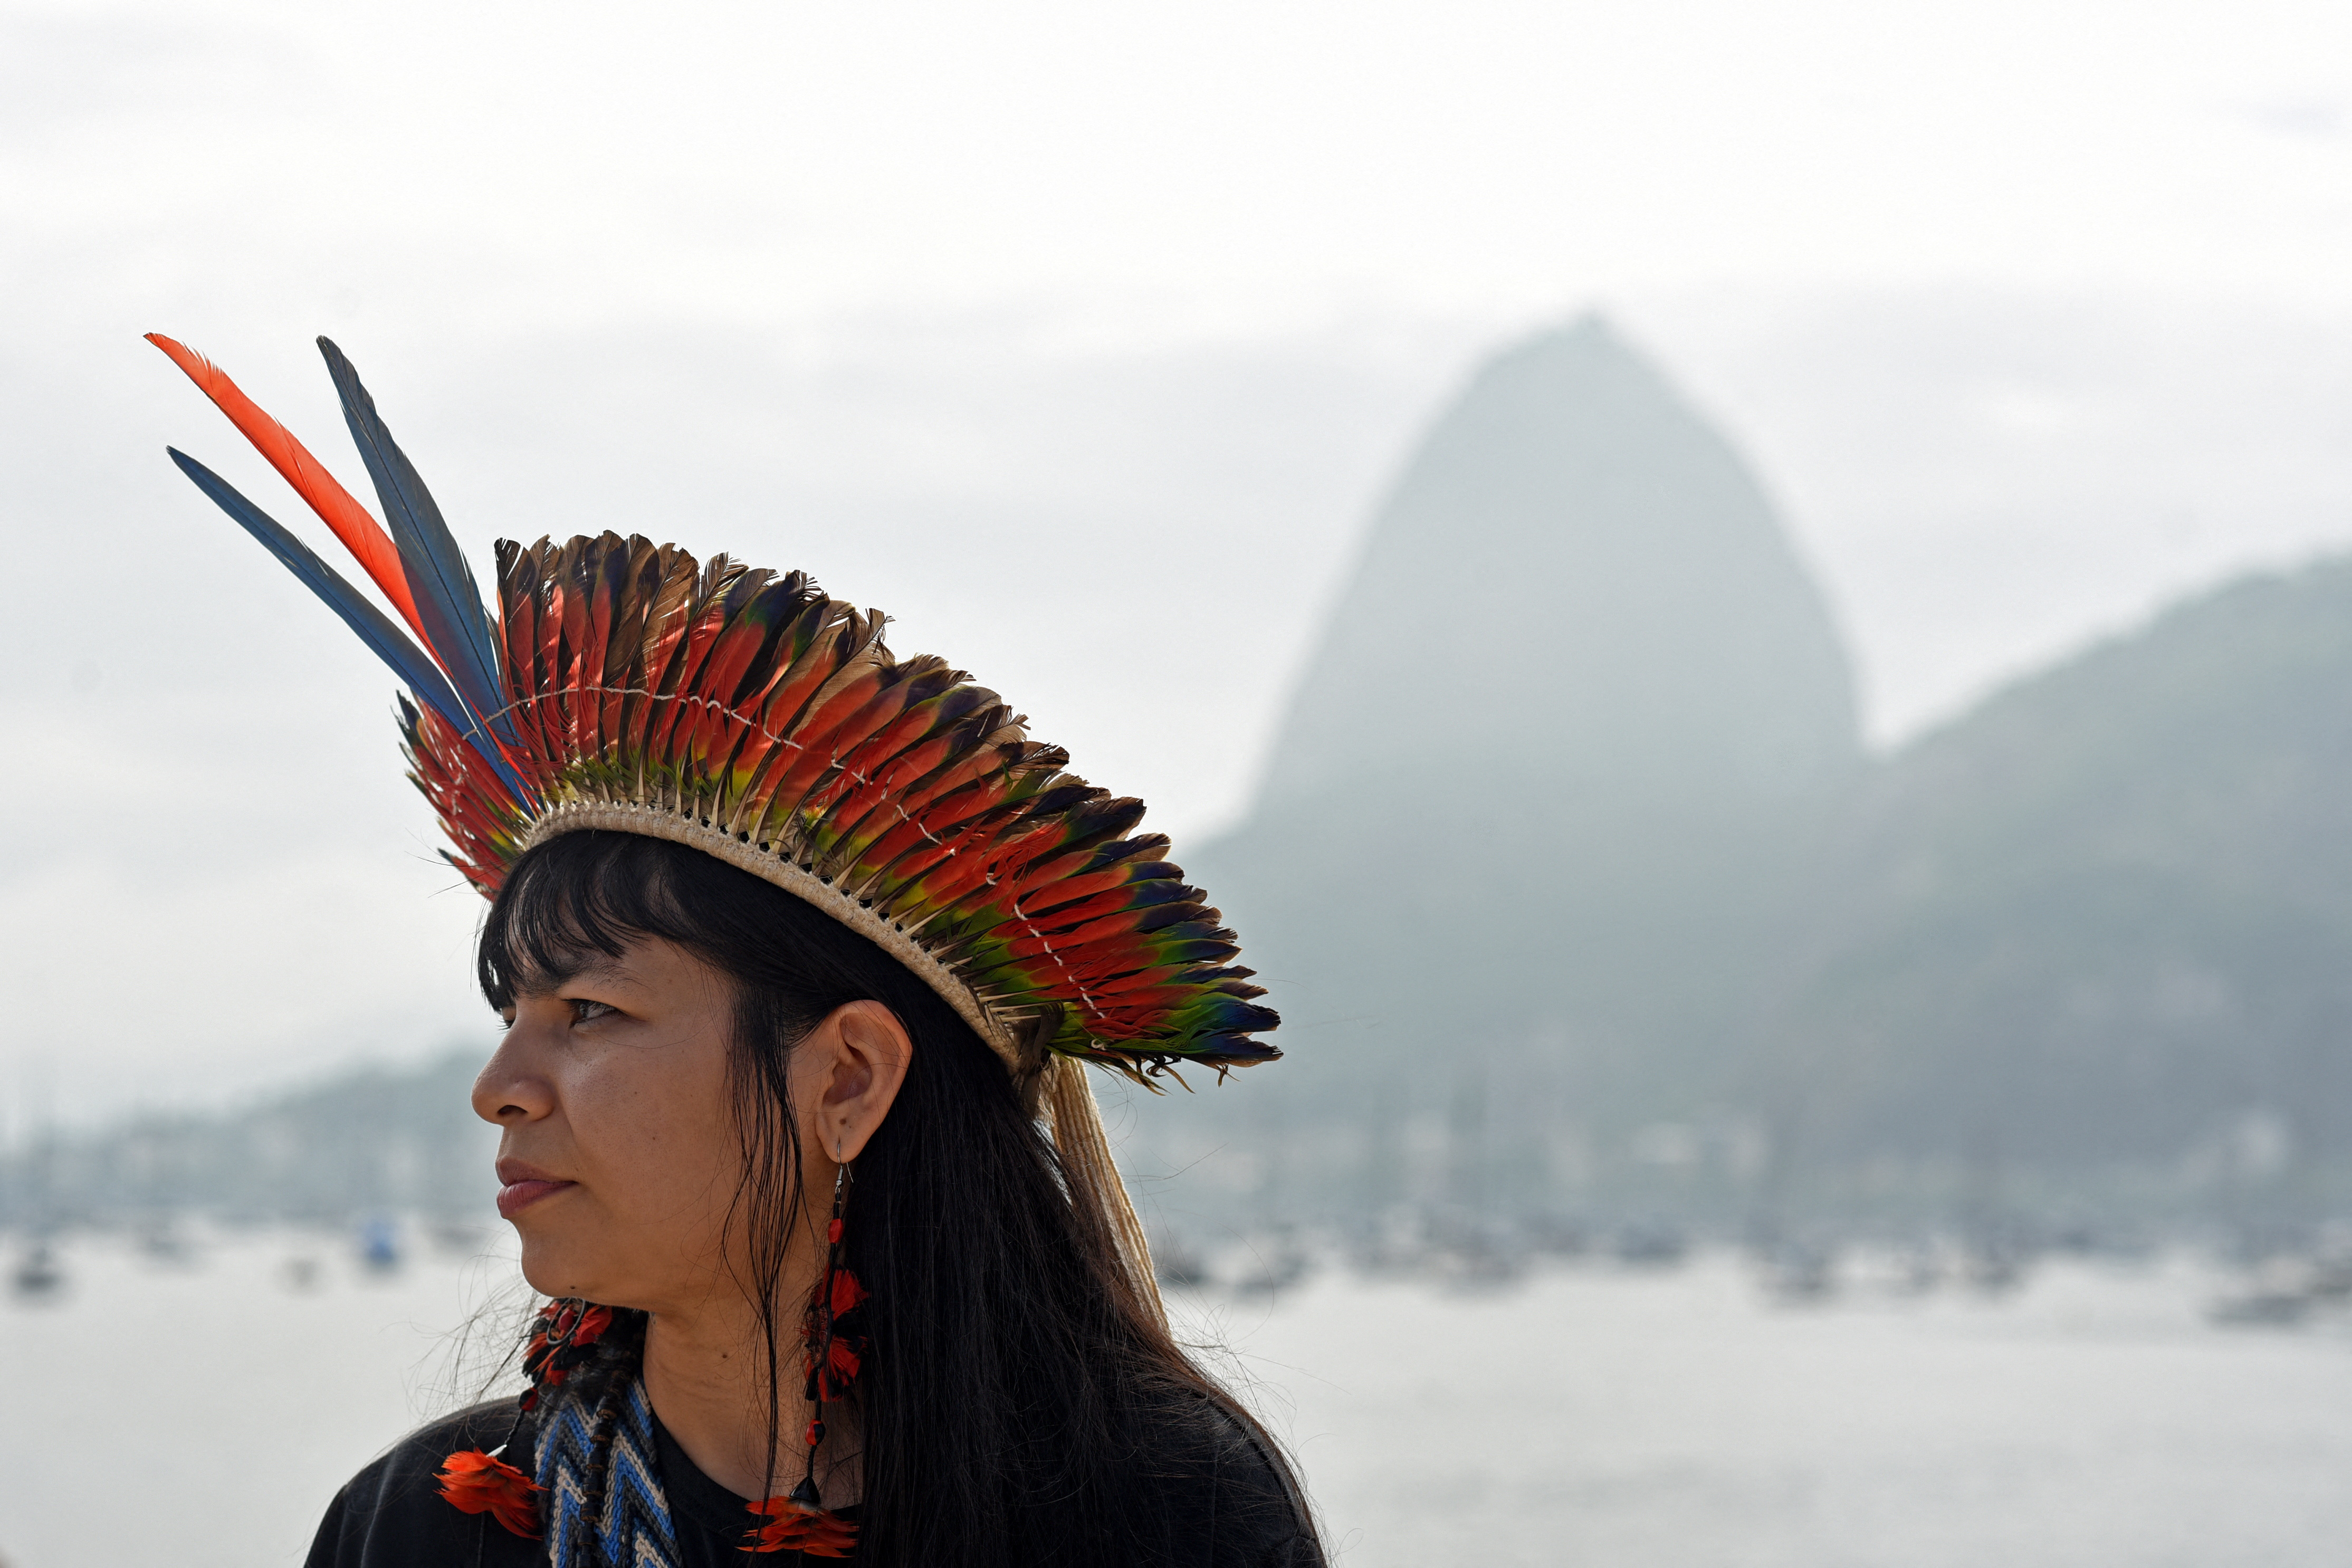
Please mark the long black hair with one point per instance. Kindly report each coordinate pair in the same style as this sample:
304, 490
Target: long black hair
1019, 1406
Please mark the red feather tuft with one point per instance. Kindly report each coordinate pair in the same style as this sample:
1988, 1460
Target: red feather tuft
473, 1482
793, 1527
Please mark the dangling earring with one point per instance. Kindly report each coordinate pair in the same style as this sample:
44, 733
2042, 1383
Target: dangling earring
836, 1348
834, 1351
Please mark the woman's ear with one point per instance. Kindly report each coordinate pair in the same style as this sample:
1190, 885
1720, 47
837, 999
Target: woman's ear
855, 1062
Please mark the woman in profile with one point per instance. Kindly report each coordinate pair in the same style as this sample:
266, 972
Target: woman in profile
803, 951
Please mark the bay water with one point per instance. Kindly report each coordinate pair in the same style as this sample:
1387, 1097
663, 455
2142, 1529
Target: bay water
200, 1409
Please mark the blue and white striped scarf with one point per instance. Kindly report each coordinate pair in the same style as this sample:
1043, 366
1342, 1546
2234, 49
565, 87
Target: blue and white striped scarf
632, 1527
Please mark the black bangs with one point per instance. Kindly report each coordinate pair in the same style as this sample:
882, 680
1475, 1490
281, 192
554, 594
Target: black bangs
585, 896
573, 899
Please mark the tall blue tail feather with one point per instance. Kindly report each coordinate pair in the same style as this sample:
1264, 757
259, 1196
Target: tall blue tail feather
411, 664
447, 602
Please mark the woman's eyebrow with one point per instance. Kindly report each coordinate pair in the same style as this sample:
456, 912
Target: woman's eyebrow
593, 966
602, 968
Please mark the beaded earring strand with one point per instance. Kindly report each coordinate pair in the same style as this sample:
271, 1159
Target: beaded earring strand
834, 1351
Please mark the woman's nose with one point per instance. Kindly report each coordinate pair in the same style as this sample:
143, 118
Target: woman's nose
507, 1089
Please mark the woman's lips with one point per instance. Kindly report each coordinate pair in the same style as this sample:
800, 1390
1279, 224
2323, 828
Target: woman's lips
515, 1196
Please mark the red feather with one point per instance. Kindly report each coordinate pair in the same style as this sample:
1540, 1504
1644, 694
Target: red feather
792, 1527
477, 1483
361, 533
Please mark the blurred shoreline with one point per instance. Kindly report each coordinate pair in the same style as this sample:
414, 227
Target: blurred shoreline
1614, 1404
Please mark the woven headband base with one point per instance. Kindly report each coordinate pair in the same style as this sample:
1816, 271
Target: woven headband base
657, 822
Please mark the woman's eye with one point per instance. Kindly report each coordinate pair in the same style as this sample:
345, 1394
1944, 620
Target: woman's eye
582, 1009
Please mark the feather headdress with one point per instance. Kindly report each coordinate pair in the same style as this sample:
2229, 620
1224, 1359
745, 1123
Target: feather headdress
623, 685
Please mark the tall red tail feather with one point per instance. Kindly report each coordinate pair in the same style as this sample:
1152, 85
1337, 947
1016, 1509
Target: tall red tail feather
351, 523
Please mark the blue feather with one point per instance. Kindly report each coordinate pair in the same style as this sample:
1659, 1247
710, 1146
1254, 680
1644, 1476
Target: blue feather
447, 602
375, 628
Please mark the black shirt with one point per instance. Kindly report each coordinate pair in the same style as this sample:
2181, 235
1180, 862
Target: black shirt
1237, 1513
708, 1519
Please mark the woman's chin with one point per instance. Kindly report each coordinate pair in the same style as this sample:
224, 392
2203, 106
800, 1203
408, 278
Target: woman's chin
557, 1265
563, 1284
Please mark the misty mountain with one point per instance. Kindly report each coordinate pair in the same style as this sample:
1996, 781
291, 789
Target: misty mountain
1536, 806
1575, 589
2103, 917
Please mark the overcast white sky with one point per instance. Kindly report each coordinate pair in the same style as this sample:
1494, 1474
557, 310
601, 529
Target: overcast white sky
1079, 336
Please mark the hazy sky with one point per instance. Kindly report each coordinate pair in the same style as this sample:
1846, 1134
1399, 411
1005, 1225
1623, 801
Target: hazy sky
1080, 337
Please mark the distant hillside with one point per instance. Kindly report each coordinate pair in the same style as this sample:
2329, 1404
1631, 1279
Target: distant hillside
2103, 917
371, 1141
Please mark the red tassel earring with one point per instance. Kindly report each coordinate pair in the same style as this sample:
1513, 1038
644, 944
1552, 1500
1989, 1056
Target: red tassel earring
833, 1351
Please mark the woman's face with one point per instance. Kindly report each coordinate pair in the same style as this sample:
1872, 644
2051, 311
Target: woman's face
619, 1155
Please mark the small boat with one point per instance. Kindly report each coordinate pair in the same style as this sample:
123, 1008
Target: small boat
380, 1246
38, 1275
1179, 1266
